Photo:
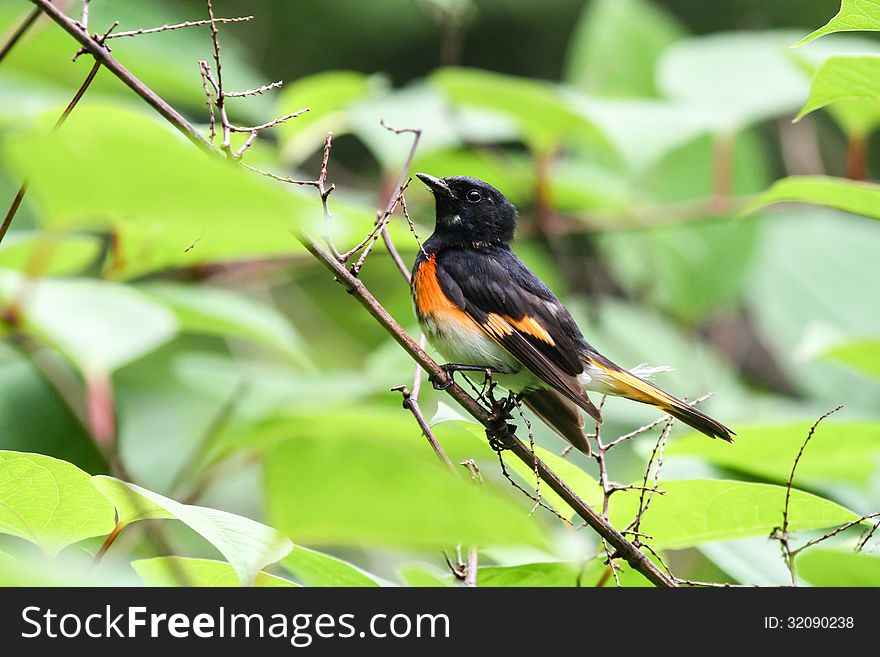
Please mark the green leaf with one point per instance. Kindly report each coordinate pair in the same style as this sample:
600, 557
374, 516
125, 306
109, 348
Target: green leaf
422, 576
754, 561
858, 117
842, 78
854, 16
666, 265
847, 195
48, 255
217, 311
861, 355
361, 489
645, 130
98, 325
559, 574
827, 567
695, 511
580, 482
544, 118
246, 544
128, 164
838, 451
743, 77
421, 105
34, 418
49, 502
616, 44
328, 95
314, 568
186, 571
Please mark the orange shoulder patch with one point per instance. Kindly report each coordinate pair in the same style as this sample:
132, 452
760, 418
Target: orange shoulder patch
429, 297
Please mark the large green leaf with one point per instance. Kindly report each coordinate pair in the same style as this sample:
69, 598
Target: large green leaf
616, 44
99, 325
694, 511
857, 116
543, 116
217, 311
829, 567
49, 502
421, 105
561, 574
854, 16
839, 451
246, 544
666, 265
39, 253
754, 561
743, 77
328, 95
645, 130
847, 195
861, 355
314, 568
34, 418
110, 163
801, 310
186, 571
361, 489
843, 78
416, 575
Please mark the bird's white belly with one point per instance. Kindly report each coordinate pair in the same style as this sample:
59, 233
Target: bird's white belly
463, 345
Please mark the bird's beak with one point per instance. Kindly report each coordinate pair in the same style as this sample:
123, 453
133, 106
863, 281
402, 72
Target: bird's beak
438, 186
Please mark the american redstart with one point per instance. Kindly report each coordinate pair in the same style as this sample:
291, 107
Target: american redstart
483, 309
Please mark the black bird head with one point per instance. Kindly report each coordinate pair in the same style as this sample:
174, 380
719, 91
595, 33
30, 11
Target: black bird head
470, 211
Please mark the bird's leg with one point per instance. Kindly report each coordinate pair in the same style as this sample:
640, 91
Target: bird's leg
452, 368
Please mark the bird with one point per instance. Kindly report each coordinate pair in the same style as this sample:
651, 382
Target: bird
483, 310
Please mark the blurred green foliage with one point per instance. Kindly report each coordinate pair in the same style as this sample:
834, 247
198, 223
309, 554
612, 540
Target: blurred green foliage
160, 322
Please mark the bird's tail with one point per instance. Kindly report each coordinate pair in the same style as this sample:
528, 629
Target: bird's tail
611, 379
560, 414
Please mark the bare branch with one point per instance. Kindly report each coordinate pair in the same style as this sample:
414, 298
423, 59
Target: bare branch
254, 92
781, 533
19, 32
19, 196
178, 26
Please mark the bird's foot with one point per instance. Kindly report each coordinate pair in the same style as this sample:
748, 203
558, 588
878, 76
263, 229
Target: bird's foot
451, 368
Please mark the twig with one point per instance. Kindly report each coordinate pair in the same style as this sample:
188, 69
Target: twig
398, 190
256, 91
472, 568
637, 559
781, 534
19, 196
19, 32
411, 403
177, 26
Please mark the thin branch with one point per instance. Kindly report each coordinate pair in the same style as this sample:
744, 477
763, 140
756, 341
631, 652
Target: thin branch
19, 32
411, 403
19, 196
177, 26
835, 532
781, 533
255, 92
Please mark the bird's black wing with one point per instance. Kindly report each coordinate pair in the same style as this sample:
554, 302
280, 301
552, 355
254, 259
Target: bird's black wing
519, 312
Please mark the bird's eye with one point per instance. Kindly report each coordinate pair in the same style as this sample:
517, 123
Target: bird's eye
474, 196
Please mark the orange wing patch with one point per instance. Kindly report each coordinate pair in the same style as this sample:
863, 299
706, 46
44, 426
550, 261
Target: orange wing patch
529, 325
